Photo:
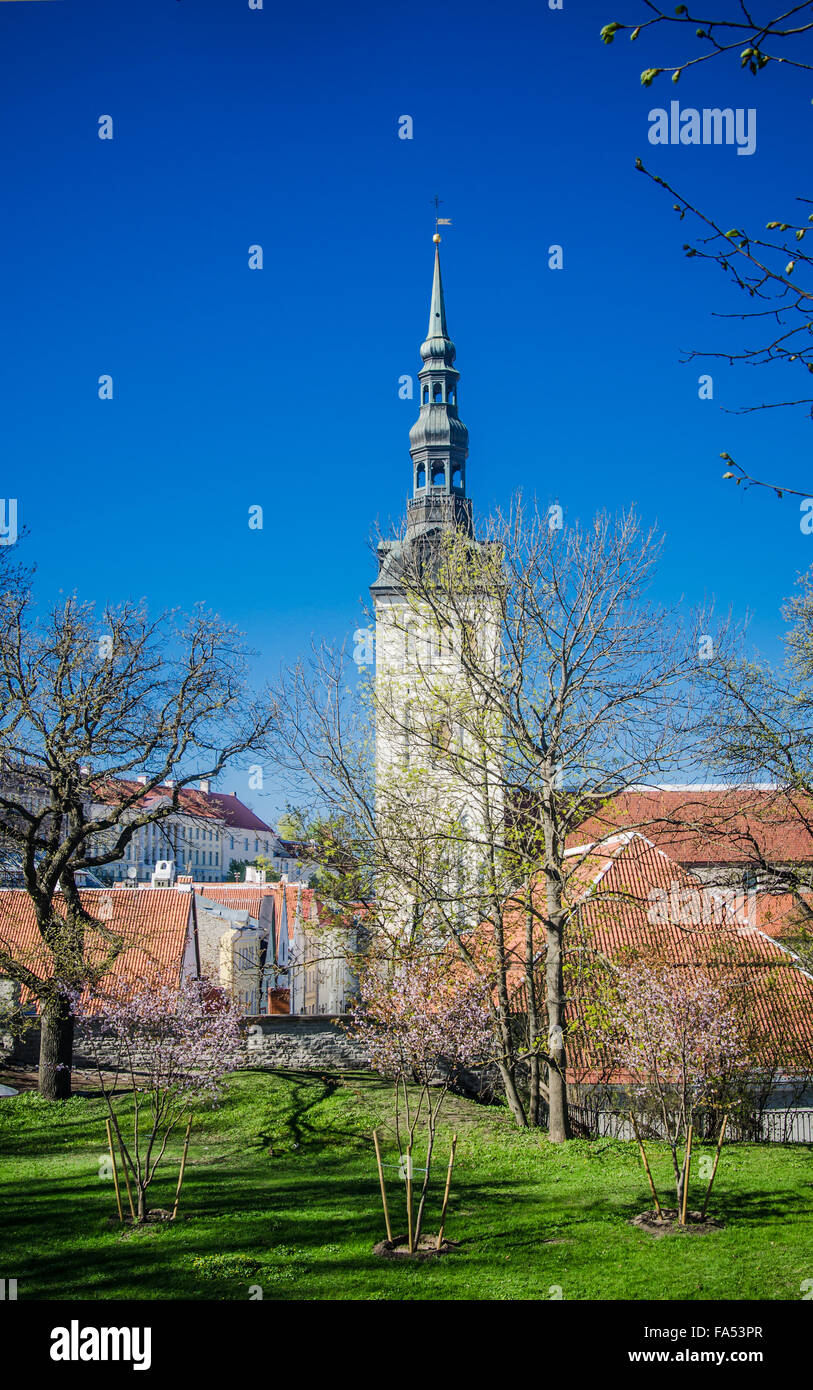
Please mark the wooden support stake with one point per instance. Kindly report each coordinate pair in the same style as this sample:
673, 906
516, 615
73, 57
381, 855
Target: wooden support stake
646, 1166
127, 1179
115, 1174
714, 1169
409, 1197
446, 1193
183, 1167
383, 1188
686, 1162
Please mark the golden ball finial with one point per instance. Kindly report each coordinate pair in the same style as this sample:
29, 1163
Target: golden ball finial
436, 238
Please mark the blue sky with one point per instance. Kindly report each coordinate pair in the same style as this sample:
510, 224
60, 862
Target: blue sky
279, 387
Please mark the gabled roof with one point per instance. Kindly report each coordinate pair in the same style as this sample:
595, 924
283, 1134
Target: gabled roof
634, 901
155, 922
647, 905
641, 899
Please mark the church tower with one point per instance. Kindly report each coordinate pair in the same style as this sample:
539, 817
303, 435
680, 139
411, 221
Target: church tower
426, 730
439, 446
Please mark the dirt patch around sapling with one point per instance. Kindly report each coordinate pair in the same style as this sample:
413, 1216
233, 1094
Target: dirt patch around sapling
156, 1216
398, 1248
668, 1223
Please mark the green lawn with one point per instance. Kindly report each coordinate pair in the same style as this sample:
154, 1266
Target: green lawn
282, 1192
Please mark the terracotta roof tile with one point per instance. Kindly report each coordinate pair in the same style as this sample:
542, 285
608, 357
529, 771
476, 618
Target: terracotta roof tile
637, 901
191, 801
245, 897
237, 816
702, 825
156, 922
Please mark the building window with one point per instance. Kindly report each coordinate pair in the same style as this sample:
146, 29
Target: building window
420, 476
437, 392
438, 472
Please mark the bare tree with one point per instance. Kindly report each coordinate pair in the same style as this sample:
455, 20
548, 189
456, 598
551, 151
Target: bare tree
761, 735
87, 700
535, 681
773, 271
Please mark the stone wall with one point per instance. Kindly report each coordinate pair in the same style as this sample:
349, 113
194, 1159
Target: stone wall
303, 1042
296, 1042
9, 1002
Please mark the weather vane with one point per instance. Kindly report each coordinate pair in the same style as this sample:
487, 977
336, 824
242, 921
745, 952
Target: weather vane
439, 221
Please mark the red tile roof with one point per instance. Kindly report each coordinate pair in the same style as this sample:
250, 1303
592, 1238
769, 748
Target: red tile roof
246, 897
784, 915
234, 813
710, 825
640, 903
641, 898
191, 801
155, 922
703, 934
226, 807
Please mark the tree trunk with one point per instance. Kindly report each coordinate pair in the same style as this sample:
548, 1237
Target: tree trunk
507, 1062
430, 1144
533, 1023
56, 1049
679, 1177
511, 1093
558, 1120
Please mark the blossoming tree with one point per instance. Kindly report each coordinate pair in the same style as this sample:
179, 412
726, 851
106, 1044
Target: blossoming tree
677, 1032
421, 1021
172, 1043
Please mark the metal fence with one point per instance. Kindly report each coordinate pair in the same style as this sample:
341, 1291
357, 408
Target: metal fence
789, 1126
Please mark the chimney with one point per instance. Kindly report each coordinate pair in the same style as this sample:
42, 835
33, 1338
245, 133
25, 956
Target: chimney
142, 779
204, 784
170, 782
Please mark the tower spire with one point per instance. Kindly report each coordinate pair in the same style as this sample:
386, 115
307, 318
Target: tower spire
437, 308
438, 441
